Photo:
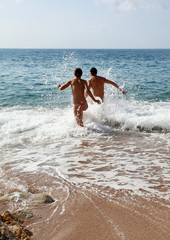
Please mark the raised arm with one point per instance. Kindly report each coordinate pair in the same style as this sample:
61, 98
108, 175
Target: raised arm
115, 85
88, 92
66, 85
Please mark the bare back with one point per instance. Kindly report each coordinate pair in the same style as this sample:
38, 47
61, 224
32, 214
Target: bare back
97, 85
78, 89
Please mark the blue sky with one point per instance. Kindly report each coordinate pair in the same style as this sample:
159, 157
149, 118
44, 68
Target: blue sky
84, 24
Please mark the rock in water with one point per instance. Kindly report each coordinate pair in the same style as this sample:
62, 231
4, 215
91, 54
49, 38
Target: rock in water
42, 198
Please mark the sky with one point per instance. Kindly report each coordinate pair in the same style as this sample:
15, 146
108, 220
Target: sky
117, 24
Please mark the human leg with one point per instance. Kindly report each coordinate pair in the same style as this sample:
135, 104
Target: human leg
78, 112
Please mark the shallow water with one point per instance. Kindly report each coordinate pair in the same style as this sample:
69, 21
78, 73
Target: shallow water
36, 140
126, 140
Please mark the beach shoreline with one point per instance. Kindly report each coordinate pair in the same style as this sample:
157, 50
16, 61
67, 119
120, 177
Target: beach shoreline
92, 213
108, 180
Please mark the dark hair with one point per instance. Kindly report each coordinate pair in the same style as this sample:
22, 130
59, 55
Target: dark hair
78, 72
93, 71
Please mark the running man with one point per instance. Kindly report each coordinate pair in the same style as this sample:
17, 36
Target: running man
79, 87
97, 84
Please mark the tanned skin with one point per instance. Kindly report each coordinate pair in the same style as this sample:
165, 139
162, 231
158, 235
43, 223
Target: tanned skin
79, 87
97, 85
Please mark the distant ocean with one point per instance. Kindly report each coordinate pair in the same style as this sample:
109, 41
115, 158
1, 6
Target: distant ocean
125, 143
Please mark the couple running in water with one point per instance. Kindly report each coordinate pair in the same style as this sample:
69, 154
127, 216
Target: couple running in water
81, 87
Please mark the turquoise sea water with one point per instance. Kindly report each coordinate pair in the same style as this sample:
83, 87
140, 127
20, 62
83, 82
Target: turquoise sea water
30, 77
129, 134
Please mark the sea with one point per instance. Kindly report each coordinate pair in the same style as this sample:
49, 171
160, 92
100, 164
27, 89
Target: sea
125, 141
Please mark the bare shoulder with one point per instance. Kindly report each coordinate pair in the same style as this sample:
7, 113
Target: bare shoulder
92, 79
97, 79
72, 80
84, 81
101, 78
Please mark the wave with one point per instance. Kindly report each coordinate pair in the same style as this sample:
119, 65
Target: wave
132, 115
44, 140
18, 125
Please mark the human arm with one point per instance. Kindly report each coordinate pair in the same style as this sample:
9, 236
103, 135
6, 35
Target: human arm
66, 85
89, 86
114, 84
88, 92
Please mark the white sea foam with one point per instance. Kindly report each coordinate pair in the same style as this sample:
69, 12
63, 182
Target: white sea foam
37, 125
131, 115
103, 152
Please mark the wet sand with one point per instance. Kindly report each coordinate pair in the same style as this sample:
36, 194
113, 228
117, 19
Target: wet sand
89, 213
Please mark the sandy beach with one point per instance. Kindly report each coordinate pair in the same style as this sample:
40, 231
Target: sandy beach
91, 213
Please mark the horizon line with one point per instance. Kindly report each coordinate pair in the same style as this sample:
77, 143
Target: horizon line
29, 48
